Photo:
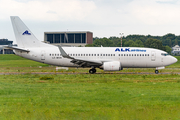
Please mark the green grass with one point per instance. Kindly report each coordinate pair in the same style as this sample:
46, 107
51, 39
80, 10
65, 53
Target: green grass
16, 61
84, 96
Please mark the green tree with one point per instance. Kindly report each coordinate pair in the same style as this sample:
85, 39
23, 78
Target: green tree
170, 43
154, 43
101, 41
129, 43
168, 49
139, 43
176, 42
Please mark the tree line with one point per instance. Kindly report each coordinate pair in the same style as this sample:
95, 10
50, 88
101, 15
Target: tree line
159, 42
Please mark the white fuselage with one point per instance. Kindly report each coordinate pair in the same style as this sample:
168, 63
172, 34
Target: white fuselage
129, 57
106, 58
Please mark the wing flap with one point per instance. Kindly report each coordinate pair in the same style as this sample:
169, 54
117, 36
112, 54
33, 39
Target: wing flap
84, 62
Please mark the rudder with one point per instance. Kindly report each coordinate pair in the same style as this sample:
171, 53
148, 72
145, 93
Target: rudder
24, 37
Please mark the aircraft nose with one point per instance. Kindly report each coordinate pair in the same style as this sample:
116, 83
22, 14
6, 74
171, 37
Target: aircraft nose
173, 60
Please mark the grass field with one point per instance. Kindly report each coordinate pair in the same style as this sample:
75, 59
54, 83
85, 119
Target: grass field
85, 96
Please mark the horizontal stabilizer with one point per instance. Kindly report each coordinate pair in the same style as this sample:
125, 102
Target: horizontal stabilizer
16, 48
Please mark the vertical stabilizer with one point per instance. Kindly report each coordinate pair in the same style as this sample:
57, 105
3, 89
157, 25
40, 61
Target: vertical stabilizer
24, 37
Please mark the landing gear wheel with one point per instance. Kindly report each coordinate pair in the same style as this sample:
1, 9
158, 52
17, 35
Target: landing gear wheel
156, 71
92, 71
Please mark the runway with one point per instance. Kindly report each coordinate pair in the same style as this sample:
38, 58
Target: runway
59, 73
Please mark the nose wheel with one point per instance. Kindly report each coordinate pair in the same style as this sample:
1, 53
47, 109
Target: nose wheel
156, 71
92, 71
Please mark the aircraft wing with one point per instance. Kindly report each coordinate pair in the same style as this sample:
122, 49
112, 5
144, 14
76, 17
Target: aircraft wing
86, 63
79, 61
16, 48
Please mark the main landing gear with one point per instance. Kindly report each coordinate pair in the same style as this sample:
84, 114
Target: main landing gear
156, 71
92, 71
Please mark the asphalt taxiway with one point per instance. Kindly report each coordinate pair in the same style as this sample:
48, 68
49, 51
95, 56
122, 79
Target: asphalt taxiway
46, 73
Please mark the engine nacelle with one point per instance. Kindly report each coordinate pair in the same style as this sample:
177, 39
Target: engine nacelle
112, 66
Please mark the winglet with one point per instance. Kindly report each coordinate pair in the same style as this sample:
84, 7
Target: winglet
63, 53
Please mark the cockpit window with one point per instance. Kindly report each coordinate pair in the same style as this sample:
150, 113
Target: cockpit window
164, 54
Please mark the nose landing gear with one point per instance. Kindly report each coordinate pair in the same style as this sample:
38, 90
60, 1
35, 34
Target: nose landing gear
156, 71
92, 71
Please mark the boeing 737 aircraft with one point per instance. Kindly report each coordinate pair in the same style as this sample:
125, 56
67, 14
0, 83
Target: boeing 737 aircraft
106, 58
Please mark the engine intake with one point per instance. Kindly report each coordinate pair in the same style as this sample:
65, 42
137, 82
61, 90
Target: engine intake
112, 66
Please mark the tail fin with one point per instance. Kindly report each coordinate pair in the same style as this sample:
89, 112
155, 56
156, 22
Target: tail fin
24, 37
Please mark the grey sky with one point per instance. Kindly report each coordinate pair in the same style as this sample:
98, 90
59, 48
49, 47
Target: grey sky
104, 18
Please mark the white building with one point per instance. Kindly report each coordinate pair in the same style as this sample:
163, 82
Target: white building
176, 50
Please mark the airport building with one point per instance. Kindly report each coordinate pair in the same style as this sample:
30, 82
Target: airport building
4, 50
176, 50
69, 38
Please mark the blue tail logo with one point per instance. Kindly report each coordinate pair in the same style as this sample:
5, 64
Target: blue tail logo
26, 33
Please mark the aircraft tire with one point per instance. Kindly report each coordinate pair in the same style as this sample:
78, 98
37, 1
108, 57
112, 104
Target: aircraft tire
92, 71
156, 71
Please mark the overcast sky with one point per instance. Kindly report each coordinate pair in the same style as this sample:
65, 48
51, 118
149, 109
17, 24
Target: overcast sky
104, 18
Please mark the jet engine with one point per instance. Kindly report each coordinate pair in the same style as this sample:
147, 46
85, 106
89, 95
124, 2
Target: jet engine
112, 66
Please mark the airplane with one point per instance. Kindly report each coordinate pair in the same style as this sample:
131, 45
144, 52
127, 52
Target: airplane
105, 58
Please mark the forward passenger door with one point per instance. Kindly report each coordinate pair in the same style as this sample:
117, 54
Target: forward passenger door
153, 56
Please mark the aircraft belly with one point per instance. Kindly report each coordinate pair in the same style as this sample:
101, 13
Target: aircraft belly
140, 63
